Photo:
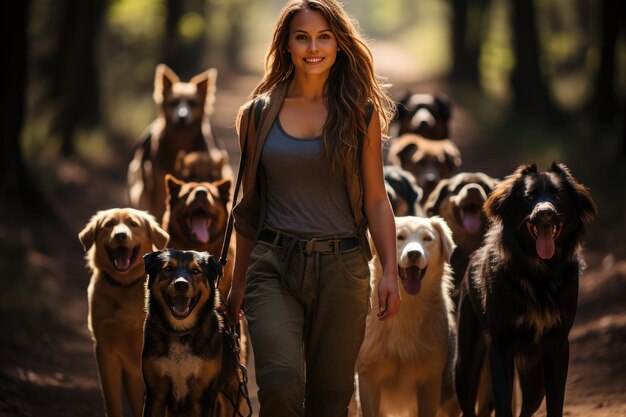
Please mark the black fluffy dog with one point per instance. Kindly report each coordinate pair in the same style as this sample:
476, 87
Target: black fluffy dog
521, 290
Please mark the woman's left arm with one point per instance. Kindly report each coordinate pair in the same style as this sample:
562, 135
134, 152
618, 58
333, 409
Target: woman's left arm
381, 220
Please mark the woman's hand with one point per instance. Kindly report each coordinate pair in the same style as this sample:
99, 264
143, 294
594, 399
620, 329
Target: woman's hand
234, 312
388, 296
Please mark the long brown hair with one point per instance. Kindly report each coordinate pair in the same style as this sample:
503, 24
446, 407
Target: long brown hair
352, 83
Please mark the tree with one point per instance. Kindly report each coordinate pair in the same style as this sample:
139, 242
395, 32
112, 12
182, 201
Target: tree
613, 14
16, 182
529, 88
466, 40
75, 85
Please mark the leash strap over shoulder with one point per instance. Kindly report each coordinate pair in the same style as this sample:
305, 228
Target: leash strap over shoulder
256, 108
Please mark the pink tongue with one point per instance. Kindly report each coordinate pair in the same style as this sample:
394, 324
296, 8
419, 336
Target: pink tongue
545, 243
199, 228
122, 258
412, 281
180, 305
471, 223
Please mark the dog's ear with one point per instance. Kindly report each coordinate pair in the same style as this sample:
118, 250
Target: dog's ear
401, 151
445, 234
180, 161
154, 261
87, 236
500, 198
172, 186
205, 83
211, 265
164, 78
585, 205
159, 236
453, 156
223, 187
433, 203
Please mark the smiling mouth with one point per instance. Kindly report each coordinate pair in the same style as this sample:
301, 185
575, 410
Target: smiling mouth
313, 60
122, 257
411, 278
544, 236
199, 222
181, 305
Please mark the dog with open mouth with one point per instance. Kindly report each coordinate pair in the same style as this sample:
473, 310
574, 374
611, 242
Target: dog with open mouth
405, 364
115, 241
519, 296
459, 200
196, 214
189, 366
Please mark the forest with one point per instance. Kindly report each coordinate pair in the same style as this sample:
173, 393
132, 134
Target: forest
529, 80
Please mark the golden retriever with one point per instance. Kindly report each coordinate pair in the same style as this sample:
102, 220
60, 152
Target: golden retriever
404, 362
115, 241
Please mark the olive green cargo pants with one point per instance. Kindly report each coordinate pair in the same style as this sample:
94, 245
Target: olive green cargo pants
306, 317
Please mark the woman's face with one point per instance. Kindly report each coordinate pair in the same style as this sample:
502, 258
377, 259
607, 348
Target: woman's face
312, 45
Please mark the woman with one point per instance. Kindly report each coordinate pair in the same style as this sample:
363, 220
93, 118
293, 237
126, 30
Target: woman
312, 183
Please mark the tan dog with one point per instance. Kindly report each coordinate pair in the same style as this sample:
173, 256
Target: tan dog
115, 241
404, 362
182, 124
428, 160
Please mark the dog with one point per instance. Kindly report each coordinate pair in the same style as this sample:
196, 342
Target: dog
115, 241
428, 160
404, 363
459, 200
189, 366
403, 192
195, 217
519, 295
426, 115
182, 124
202, 166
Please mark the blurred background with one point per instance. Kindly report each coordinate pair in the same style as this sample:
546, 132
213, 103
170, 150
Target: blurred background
541, 80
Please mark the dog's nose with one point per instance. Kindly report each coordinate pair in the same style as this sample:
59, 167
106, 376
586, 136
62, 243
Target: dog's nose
414, 255
120, 236
201, 193
544, 212
181, 285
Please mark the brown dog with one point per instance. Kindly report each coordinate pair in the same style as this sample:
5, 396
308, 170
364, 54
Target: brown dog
115, 241
188, 363
202, 166
182, 124
195, 218
459, 200
404, 363
428, 160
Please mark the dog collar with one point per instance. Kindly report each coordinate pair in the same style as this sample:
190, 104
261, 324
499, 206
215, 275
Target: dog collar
116, 283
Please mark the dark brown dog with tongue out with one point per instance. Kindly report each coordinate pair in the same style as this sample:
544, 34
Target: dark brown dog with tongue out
195, 216
519, 295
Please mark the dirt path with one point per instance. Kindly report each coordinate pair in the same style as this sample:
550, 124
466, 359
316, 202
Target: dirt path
46, 363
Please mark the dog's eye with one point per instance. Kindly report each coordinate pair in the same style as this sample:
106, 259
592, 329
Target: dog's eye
134, 223
168, 268
558, 196
401, 237
427, 238
196, 271
530, 197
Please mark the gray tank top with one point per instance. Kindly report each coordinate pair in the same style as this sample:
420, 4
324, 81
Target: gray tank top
303, 197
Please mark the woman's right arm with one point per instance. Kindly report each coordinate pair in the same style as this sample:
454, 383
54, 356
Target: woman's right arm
243, 245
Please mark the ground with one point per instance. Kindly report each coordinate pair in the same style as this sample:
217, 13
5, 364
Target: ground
47, 367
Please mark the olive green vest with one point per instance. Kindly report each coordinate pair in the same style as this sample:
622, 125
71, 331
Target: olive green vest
249, 214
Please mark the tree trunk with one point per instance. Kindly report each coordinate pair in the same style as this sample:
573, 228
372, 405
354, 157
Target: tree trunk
16, 183
466, 46
529, 88
76, 82
612, 16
